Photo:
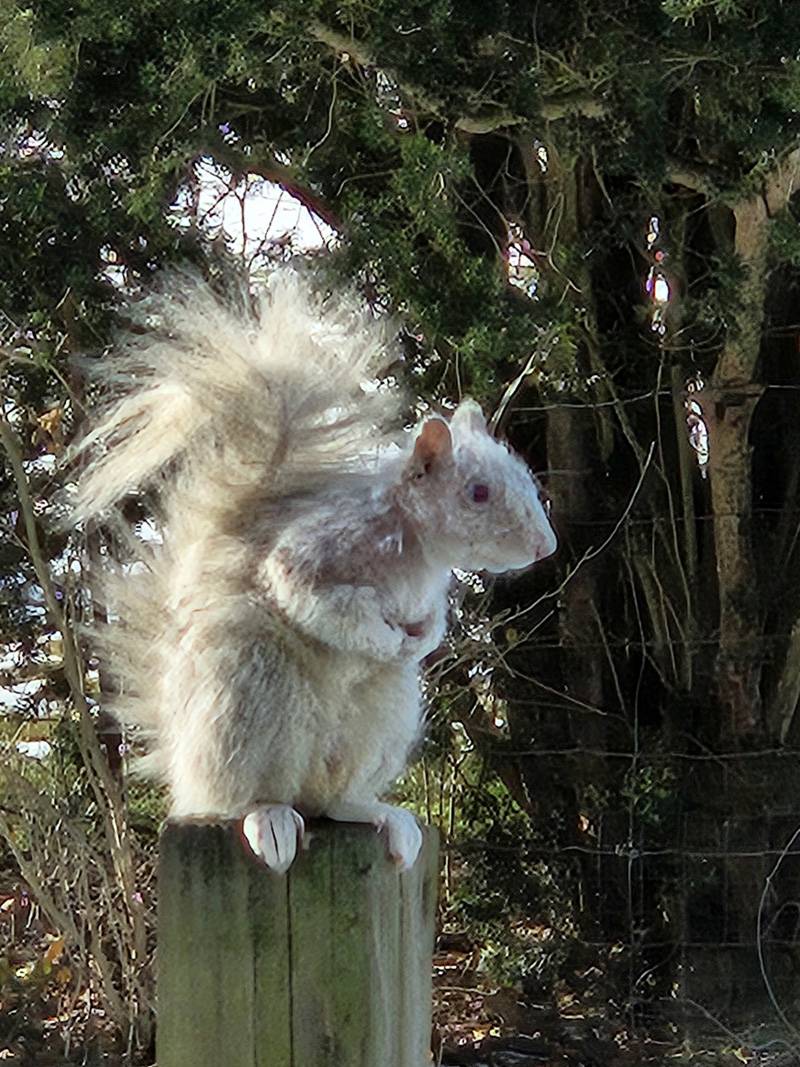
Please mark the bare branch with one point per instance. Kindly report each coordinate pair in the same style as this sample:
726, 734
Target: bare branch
578, 103
105, 788
478, 124
779, 183
690, 177
782, 182
343, 44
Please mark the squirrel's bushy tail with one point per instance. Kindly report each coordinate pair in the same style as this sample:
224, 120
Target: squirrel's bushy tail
266, 393
217, 410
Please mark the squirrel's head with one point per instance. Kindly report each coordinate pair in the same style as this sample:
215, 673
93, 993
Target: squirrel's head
474, 504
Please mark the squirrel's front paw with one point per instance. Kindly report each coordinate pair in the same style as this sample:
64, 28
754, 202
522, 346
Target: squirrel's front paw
403, 835
273, 832
422, 636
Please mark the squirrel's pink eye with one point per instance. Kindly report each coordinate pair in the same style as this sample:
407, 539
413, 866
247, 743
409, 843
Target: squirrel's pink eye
480, 493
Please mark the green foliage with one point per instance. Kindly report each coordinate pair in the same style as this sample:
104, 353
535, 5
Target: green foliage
688, 10
517, 904
33, 65
650, 789
785, 240
147, 808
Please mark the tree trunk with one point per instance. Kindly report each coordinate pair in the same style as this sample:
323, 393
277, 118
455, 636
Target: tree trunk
729, 406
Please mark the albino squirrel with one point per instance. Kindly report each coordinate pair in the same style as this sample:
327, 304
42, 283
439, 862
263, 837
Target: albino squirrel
269, 642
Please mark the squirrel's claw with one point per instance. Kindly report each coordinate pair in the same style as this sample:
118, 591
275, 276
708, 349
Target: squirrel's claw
273, 832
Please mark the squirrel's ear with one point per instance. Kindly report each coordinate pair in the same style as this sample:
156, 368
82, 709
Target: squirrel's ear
433, 446
469, 415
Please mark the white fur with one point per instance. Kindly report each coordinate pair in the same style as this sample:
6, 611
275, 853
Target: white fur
273, 832
270, 645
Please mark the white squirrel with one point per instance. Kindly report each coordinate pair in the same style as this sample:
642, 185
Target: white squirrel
270, 645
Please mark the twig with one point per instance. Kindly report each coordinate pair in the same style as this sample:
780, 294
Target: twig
591, 553
106, 792
791, 1028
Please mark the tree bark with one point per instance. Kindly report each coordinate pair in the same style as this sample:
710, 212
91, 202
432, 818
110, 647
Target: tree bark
728, 405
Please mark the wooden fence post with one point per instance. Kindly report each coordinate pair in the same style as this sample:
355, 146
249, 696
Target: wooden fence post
327, 966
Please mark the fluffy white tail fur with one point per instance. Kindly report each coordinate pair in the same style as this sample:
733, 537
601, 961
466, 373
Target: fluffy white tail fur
267, 387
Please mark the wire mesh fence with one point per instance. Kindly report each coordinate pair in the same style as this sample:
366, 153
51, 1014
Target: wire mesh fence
684, 907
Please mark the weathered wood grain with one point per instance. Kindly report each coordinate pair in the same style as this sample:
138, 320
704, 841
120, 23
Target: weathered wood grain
328, 966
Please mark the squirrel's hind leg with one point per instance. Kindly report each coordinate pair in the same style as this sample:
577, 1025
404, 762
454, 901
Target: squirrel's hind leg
273, 832
403, 835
